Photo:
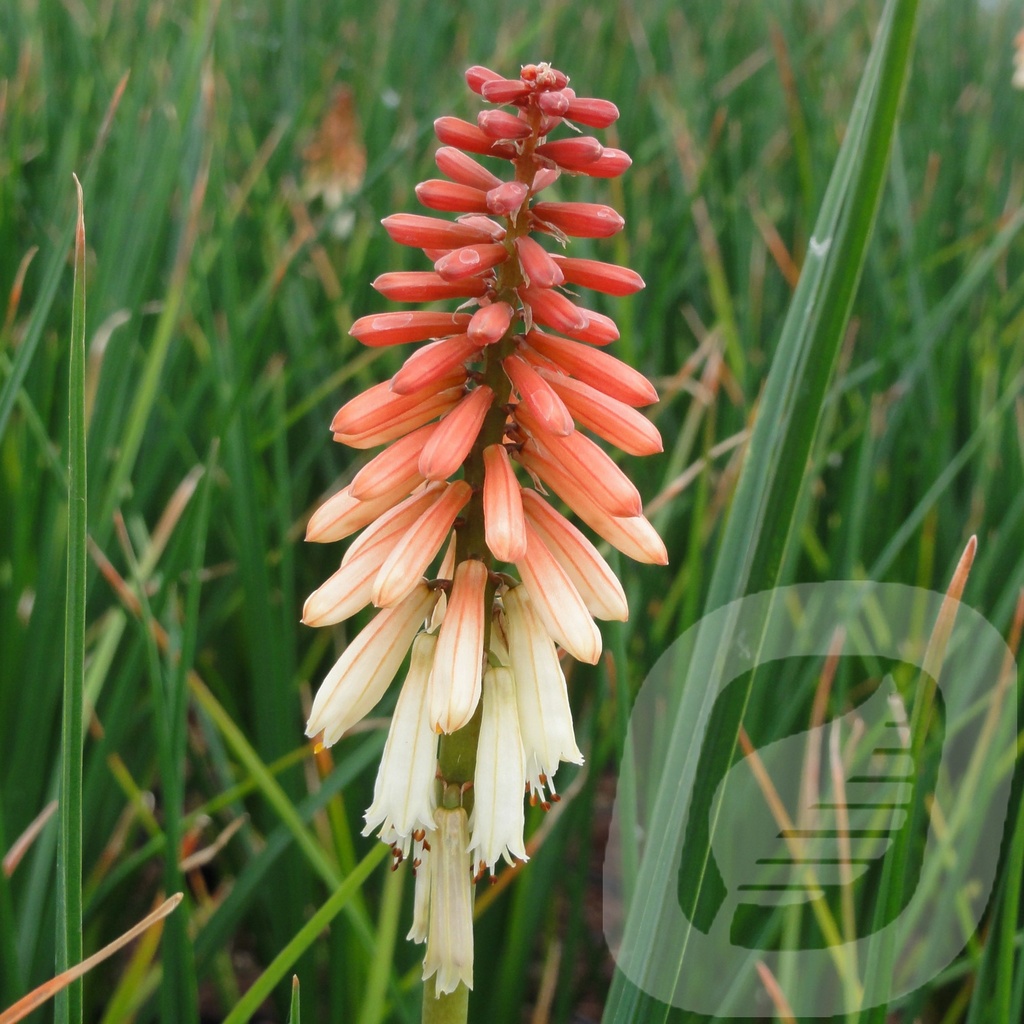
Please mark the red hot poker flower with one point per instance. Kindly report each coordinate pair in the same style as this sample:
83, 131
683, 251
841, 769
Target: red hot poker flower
443, 507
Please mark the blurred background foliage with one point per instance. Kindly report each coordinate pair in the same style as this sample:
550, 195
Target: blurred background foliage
237, 158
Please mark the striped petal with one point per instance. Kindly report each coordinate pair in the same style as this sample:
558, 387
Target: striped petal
342, 514
596, 368
557, 601
351, 587
539, 397
403, 795
407, 511
591, 575
431, 364
376, 406
458, 663
361, 675
419, 546
632, 535
498, 817
455, 436
404, 416
545, 720
607, 417
585, 462
396, 466
504, 526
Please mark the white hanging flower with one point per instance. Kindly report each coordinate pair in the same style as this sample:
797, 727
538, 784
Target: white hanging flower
450, 931
421, 891
545, 720
404, 793
458, 663
498, 818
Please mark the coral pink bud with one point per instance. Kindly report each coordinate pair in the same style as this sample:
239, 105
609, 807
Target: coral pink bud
478, 76
455, 683
409, 558
464, 169
504, 526
399, 328
633, 535
424, 286
432, 363
599, 369
557, 601
580, 220
497, 125
554, 104
504, 90
376, 405
600, 329
507, 198
453, 131
572, 154
455, 435
392, 416
544, 177
544, 76
473, 220
538, 395
591, 575
593, 113
341, 514
450, 196
548, 125
470, 260
539, 269
395, 466
432, 232
607, 417
611, 164
553, 309
602, 277
587, 464
489, 323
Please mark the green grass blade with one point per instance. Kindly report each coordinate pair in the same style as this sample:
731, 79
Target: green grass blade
69, 856
306, 936
763, 523
294, 1013
373, 1008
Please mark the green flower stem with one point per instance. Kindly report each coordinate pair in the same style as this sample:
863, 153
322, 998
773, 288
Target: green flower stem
450, 1008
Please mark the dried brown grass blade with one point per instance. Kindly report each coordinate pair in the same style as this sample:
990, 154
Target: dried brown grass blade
38, 996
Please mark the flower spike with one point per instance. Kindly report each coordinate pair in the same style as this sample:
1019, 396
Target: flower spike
503, 389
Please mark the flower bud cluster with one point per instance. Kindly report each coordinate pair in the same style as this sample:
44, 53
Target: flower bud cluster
460, 549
